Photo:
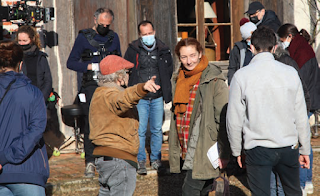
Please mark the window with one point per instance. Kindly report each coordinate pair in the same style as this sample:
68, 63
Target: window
208, 21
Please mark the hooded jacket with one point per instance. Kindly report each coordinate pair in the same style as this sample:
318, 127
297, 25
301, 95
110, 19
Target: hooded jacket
23, 120
211, 100
164, 63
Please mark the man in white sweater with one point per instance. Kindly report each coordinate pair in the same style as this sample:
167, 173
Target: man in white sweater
267, 111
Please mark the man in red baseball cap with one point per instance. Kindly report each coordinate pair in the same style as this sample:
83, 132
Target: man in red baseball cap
262, 17
114, 125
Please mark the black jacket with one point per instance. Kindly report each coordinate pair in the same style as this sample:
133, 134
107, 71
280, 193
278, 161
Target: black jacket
44, 79
310, 74
165, 65
270, 19
235, 58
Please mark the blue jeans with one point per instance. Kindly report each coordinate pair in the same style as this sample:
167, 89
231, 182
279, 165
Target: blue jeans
306, 174
275, 185
22, 190
116, 177
150, 110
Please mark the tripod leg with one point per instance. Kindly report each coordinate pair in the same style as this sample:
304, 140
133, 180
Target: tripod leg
76, 134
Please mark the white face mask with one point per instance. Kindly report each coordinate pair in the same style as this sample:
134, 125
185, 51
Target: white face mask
285, 44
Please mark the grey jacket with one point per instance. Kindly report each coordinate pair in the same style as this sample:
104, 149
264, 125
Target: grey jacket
211, 97
267, 105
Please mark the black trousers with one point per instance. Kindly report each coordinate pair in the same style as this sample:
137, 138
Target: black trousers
285, 161
88, 89
193, 187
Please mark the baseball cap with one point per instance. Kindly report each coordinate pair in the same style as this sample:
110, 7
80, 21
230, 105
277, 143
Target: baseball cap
254, 7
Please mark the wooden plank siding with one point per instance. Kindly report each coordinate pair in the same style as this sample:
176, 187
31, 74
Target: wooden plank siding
162, 13
84, 11
237, 13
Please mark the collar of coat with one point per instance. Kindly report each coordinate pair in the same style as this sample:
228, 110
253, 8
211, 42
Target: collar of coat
112, 85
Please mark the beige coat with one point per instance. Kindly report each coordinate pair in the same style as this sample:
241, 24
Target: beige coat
114, 121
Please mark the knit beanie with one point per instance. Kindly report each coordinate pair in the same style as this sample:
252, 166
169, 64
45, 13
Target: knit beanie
113, 63
247, 29
243, 21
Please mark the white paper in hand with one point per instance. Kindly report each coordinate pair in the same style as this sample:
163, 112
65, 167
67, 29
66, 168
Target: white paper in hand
213, 155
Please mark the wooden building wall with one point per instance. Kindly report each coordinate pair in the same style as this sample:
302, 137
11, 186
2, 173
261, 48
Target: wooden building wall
84, 11
162, 13
74, 15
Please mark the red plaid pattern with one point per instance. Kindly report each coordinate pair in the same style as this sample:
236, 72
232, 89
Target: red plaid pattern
183, 121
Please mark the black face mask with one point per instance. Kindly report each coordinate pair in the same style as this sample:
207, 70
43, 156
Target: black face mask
26, 47
103, 31
124, 86
254, 19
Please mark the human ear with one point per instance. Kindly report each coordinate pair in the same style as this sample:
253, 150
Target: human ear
253, 49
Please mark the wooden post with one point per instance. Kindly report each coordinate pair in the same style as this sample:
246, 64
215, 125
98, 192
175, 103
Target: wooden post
200, 21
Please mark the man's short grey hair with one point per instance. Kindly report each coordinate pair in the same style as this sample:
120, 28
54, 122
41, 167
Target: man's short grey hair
103, 10
111, 77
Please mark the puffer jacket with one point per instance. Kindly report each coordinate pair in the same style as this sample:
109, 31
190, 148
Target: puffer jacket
212, 98
23, 119
114, 121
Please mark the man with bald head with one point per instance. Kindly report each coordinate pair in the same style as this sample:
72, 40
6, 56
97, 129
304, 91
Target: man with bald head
90, 47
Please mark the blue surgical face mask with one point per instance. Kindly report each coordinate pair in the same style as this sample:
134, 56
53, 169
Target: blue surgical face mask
248, 42
148, 40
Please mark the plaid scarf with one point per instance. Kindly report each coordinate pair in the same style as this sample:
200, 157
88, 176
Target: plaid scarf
183, 121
